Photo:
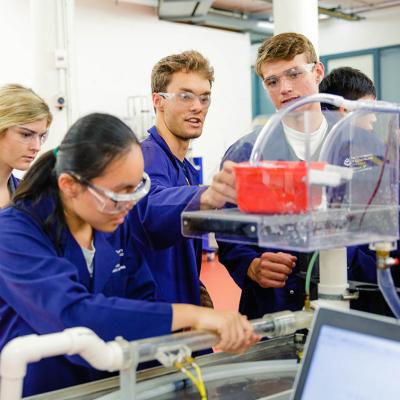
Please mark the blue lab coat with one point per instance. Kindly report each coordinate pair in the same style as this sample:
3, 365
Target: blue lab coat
13, 183
46, 287
256, 301
174, 261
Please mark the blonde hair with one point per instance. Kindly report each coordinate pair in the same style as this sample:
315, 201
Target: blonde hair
285, 46
20, 105
187, 61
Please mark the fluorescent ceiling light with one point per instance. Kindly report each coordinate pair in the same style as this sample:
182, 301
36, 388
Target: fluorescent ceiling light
265, 25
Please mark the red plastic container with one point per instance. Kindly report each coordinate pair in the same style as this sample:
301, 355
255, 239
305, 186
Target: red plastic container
274, 187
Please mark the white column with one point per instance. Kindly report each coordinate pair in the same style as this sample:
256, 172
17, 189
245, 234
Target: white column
52, 50
300, 16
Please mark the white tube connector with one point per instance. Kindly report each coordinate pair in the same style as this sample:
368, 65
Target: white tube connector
75, 341
333, 272
333, 284
286, 322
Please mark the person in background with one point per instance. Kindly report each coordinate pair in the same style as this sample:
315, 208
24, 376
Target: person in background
181, 86
24, 122
67, 256
352, 84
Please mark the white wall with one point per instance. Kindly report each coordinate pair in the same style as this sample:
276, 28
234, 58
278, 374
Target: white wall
379, 28
116, 47
15, 49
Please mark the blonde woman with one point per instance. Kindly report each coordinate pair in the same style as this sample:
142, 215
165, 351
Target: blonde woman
24, 121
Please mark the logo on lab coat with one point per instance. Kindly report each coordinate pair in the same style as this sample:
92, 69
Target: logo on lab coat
120, 252
363, 162
118, 268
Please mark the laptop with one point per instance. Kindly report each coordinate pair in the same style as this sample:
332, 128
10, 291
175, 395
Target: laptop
350, 355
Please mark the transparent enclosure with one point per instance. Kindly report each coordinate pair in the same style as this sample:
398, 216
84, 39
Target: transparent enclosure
311, 180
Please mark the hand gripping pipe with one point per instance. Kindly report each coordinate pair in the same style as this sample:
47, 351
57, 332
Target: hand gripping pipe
337, 101
112, 356
270, 325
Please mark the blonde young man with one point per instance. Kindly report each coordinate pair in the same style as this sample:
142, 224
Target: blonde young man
289, 67
181, 86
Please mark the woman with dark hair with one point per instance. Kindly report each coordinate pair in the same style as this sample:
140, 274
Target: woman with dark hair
67, 257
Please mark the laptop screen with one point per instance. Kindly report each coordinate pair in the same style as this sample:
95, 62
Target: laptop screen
351, 356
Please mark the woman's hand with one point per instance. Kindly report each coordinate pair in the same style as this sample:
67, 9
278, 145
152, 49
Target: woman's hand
235, 331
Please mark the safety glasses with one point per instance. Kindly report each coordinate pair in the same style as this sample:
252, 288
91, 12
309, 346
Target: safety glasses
188, 98
293, 75
110, 202
28, 136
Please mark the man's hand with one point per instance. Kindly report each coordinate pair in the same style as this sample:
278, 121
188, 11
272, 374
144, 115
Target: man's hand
222, 189
271, 270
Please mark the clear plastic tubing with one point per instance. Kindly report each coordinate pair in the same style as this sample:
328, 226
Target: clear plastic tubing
271, 325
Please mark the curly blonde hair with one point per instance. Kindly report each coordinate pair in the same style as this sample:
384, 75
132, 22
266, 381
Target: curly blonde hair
285, 46
187, 61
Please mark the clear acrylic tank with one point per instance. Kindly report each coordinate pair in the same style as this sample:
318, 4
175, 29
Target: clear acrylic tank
312, 179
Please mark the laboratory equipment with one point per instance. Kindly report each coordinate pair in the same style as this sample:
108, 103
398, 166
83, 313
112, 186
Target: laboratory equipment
140, 115
123, 356
349, 213
342, 192
267, 368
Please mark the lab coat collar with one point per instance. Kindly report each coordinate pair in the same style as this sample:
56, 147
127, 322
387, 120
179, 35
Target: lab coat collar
153, 131
13, 183
178, 164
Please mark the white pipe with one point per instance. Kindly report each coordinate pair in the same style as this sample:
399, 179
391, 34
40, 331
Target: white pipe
23, 350
333, 277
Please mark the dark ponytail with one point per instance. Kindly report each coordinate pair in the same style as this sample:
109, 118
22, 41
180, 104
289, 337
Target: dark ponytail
89, 146
40, 179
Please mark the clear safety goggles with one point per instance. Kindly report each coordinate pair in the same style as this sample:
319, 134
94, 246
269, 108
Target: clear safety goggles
294, 74
27, 136
188, 98
110, 202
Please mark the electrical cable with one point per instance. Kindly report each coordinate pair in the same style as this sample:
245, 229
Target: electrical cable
197, 381
310, 268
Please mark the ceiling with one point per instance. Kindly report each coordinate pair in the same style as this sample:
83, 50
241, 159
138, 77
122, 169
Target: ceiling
265, 6
253, 15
